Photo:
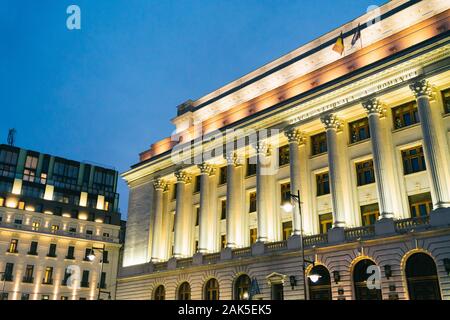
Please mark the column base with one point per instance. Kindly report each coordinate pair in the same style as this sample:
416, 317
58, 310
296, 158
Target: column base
258, 248
384, 226
226, 254
197, 258
336, 234
440, 217
294, 242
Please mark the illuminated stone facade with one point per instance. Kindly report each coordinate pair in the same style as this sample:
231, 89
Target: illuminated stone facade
363, 137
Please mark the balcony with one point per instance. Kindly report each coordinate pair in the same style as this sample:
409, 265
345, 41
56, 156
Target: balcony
47, 281
27, 279
7, 277
409, 224
32, 253
359, 233
51, 255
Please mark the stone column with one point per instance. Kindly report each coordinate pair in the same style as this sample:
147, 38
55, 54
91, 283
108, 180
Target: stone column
332, 124
439, 191
182, 223
157, 254
295, 138
233, 198
262, 194
205, 224
374, 110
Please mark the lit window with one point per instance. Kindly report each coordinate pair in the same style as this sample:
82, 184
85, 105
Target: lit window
48, 276
413, 160
446, 100
13, 244
35, 226
365, 173
326, 222
369, 214
55, 228
285, 189
359, 130
287, 229
21, 205
253, 235
223, 241
420, 205
283, 155
323, 184
405, 115
212, 290
319, 143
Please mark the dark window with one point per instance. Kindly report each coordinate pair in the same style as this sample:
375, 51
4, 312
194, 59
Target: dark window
242, 288
67, 197
52, 250
85, 279
8, 273
365, 173
223, 175
325, 222
223, 209
25, 296
251, 166
212, 290
446, 100
5, 186
223, 241
197, 181
28, 276
103, 280
87, 253
8, 163
413, 160
197, 215
33, 248
361, 274
252, 200
405, 115
369, 214
421, 277
105, 257
86, 174
32, 191
319, 143
359, 130
287, 229
277, 291
160, 293
65, 173
70, 253
323, 184
104, 179
283, 155
420, 205
184, 292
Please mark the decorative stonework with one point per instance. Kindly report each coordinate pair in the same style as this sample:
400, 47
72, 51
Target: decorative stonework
374, 106
295, 136
206, 168
262, 148
421, 88
234, 159
159, 184
331, 121
182, 176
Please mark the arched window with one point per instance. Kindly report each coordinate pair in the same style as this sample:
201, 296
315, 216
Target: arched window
160, 293
184, 292
319, 283
421, 277
212, 289
242, 287
361, 272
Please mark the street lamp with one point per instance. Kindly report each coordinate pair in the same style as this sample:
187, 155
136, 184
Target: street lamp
288, 206
91, 257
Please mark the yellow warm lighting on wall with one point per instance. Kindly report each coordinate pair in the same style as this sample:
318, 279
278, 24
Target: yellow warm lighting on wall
11, 203
82, 216
99, 220
66, 215
29, 208
48, 212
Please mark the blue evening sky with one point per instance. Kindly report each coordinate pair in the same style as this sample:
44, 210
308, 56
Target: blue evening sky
106, 92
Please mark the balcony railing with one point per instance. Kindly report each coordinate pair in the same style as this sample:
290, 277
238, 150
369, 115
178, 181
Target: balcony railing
27, 279
408, 224
212, 257
242, 252
274, 246
315, 239
182, 263
359, 232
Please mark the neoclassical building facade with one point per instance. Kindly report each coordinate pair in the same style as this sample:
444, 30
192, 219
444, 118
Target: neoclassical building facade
362, 138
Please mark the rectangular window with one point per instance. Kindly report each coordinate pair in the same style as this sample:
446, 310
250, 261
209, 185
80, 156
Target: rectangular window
277, 291
85, 279
223, 241
31, 191
8, 162
29, 172
6, 186
25, 296
13, 246
197, 181
287, 229
283, 155
364, 172
252, 200
104, 179
405, 115
105, 257
323, 184
4, 296
253, 235
28, 276
54, 228
8, 273
319, 143
33, 248
35, 226
52, 250
197, 215
103, 280
223, 209
251, 166
87, 253
65, 173
446, 100
420, 205
70, 253
325, 222
285, 189
48, 276
223, 175
359, 130
369, 214
18, 221
413, 160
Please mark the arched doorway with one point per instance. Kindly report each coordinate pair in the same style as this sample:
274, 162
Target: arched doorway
319, 283
421, 277
242, 287
212, 289
184, 291
160, 293
362, 272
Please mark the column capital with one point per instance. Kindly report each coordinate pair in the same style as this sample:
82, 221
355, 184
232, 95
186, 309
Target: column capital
182, 176
421, 88
331, 121
206, 168
295, 136
374, 106
159, 184
233, 158
262, 148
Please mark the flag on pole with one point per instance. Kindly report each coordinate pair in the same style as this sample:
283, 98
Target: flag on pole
357, 35
339, 45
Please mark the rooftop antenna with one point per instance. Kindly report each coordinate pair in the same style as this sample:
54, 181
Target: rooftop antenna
11, 136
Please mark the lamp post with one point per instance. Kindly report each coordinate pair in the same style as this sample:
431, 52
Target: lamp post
91, 257
288, 206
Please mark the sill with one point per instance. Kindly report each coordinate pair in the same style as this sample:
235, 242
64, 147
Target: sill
358, 142
318, 155
284, 165
323, 195
69, 258
34, 254
405, 127
414, 173
47, 283
365, 185
16, 253
250, 175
